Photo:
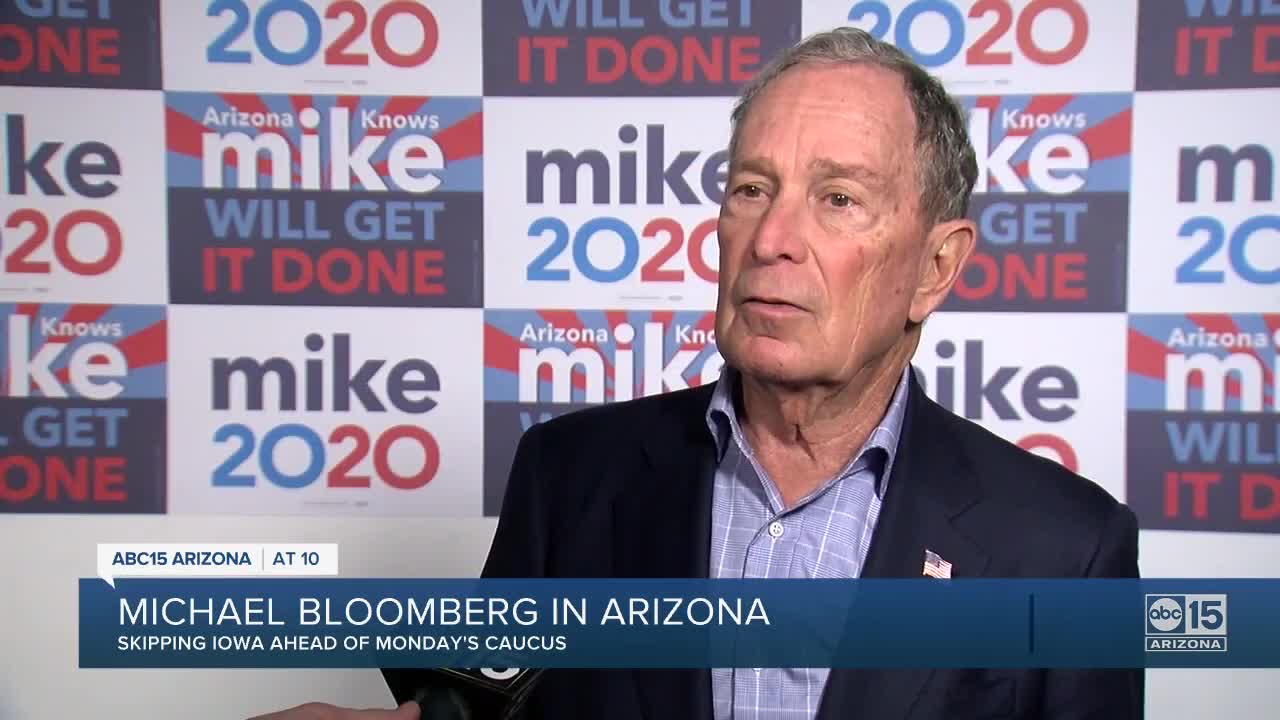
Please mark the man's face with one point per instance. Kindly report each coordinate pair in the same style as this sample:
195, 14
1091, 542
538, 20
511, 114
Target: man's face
821, 239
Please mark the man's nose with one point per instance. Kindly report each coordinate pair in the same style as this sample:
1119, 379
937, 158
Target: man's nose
779, 236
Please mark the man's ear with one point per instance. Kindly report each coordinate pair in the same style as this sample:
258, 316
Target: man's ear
947, 248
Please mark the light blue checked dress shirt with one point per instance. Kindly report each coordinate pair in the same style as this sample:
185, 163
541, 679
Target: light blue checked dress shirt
825, 535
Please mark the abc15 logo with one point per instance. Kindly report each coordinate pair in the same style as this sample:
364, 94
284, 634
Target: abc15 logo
1171, 615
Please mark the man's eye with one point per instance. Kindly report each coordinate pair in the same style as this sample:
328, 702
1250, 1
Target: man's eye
840, 200
750, 191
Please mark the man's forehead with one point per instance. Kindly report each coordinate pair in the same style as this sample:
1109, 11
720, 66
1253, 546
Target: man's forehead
830, 167
819, 166
832, 110
863, 86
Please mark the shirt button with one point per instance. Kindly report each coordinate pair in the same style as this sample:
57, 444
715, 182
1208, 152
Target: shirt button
775, 529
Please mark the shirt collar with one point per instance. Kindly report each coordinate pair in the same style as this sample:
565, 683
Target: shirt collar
878, 451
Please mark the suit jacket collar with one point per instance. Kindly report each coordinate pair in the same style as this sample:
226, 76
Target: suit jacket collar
663, 526
663, 512
933, 482
932, 486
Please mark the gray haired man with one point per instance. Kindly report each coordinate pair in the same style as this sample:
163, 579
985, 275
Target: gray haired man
817, 454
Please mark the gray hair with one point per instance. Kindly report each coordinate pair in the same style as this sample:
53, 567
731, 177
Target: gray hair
945, 161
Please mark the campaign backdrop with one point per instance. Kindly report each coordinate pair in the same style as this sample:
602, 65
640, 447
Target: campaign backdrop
336, 257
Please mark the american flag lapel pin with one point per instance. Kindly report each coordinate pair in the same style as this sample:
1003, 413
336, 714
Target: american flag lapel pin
935, 566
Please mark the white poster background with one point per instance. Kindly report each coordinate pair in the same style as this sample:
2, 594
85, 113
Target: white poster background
515, 127
1090, 346
1163, 124
448, 339
191, 31
995, 51
130, 123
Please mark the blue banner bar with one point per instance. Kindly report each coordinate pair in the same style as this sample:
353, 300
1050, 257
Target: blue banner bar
346, 623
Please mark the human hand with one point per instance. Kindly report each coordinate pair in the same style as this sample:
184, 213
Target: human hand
324, 711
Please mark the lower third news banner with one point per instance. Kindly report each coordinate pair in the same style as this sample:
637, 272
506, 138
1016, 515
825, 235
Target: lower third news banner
348, 623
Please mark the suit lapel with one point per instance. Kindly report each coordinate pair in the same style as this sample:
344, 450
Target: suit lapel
931, 484
662, 521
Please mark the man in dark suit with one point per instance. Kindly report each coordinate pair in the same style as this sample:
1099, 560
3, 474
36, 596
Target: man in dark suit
817, 454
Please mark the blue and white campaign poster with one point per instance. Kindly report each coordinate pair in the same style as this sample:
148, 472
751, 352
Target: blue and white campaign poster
285, 273
325, 414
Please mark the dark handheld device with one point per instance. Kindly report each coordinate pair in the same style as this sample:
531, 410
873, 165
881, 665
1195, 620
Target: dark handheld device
462, 694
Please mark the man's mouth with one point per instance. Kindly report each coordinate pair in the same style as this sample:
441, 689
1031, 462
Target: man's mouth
767, 303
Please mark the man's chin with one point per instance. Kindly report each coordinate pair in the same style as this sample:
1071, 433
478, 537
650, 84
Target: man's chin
773, 362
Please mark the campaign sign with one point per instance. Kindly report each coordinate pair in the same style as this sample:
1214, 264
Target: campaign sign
1208, 44
80, 43
1206, 226
542, 363
619, 212
999, 46
334, 46
1058, 396
324, 200
1051, 203
78, 217
1202, 430
82, 408
623, 48
349, 411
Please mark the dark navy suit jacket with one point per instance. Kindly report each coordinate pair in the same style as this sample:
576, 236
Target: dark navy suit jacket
624, 490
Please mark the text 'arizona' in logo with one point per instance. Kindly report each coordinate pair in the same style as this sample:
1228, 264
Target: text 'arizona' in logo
82, 408
542, 363
998, 45
324, 200
1054, 397
321, 413
1206, 44
1051, 203
346, 46
618, 213
1205, 217
619, 47
78, 220
1204, 421
80, 43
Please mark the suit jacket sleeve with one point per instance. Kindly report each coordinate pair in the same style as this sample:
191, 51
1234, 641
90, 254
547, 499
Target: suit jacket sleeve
1102, 694
521, 542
